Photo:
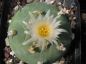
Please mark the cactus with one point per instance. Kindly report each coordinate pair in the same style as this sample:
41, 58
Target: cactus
39, 33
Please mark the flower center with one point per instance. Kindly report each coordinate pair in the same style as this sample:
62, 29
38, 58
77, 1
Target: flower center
43, 30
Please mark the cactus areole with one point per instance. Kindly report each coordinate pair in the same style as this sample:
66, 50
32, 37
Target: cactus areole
38, 33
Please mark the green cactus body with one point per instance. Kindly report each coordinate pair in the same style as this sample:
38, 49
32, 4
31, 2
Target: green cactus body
34, 53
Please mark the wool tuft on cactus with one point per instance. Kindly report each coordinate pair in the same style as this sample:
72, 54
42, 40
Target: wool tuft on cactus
39, 33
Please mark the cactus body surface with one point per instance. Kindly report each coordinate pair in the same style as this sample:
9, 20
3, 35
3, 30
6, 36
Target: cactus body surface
44, 49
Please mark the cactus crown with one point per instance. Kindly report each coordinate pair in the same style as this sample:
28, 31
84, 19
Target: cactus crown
39, 33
